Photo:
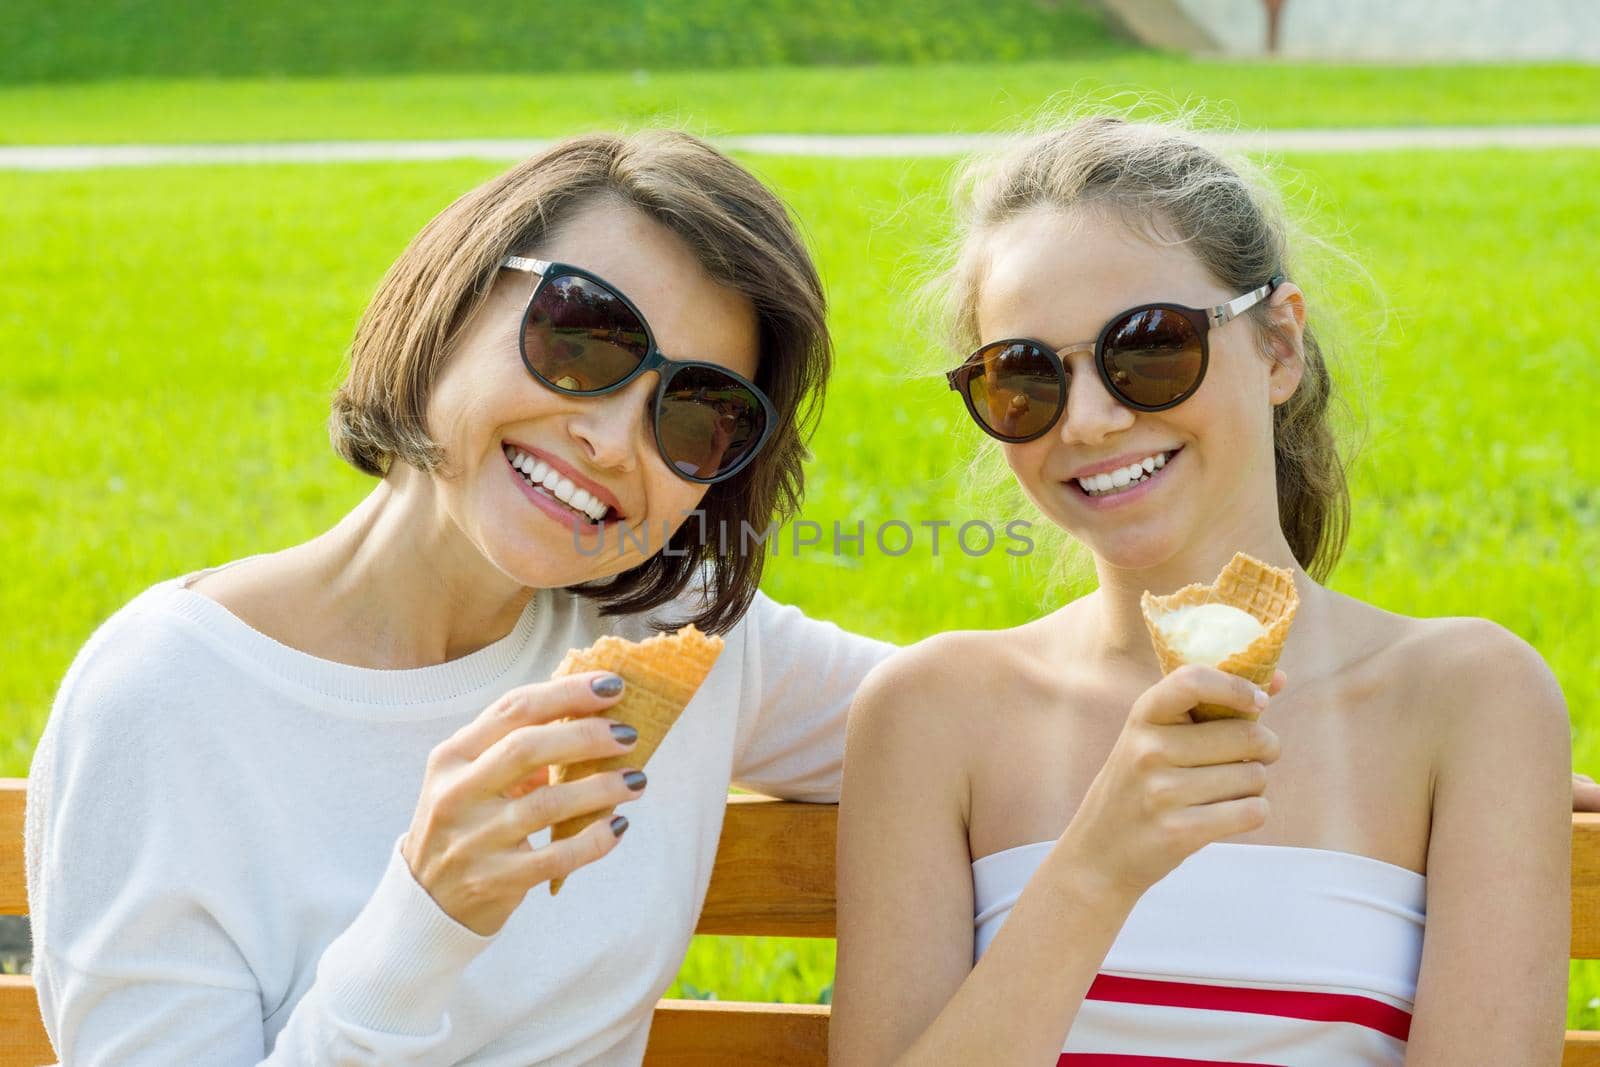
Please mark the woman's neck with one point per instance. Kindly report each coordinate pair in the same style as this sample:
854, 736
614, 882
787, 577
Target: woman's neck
404, 582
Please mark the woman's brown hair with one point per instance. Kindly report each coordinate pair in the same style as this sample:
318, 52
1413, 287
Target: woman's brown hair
1158, 177
741, 234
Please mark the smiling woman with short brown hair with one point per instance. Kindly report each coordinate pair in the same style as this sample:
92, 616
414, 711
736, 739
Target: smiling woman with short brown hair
740, 236
281, 807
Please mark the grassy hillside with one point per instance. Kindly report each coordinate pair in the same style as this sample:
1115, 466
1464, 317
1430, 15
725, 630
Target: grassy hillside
93, 40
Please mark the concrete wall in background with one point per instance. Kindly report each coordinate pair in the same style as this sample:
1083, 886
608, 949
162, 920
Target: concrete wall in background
1377, 30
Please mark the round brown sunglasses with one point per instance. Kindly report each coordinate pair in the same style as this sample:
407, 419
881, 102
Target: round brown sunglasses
1150, 358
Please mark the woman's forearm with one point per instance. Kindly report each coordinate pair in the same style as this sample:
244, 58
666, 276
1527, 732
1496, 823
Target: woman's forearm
1019, 1002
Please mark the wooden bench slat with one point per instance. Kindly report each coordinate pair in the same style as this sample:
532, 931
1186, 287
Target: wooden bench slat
13, 882
23, 1042
1582, 1049
684, 1032
774, 870
1586, 886
710, 1033
773, 873
773, 876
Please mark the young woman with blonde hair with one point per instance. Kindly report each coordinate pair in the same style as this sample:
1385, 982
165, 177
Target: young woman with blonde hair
1042, 857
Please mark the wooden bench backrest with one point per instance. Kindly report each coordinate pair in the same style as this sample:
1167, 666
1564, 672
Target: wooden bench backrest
773, 877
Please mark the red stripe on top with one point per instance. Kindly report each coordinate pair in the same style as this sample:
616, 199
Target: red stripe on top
1288, 1003
1113, 1059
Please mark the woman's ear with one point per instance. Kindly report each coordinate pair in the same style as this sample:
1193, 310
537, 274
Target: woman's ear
1285, 338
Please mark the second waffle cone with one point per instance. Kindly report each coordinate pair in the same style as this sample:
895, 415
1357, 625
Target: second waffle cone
1250, 585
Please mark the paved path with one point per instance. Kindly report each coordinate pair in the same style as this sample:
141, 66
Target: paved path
83, 157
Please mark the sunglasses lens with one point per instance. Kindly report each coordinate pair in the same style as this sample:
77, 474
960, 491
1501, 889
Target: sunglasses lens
1015, 389
1153, 357
709, 422
579, 336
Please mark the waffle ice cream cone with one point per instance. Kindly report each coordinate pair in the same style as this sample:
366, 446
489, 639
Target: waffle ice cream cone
661, 675
1246, 583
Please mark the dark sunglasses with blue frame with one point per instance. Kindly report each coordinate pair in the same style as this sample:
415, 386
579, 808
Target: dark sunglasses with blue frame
582, 337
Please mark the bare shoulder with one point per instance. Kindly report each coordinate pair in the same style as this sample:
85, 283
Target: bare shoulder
942, 676
1463, 674
1475, 665
938, 662
268, 592
241, 579
916, 711
929, 681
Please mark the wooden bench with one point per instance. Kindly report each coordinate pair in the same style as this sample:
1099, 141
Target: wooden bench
773, 877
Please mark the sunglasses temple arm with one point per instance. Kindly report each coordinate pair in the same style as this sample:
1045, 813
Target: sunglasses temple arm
1226, 313
532, 266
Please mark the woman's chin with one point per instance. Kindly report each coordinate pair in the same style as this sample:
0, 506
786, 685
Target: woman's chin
542, 566
1134, 550
557, 567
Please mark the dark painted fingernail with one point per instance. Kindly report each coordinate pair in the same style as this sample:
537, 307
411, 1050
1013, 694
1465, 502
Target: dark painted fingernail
634, 780
624, 733
607, 685
619, 825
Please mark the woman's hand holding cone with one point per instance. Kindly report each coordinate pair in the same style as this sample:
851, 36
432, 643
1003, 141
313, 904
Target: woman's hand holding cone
486, 791
1172, 785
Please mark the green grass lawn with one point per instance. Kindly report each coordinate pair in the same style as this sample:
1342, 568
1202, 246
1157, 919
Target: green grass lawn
932, 98
171, 337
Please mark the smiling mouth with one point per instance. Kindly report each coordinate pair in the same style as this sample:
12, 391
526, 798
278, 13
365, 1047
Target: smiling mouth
1118, 481
558, 487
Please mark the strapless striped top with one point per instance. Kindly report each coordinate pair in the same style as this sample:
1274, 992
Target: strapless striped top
1244, 954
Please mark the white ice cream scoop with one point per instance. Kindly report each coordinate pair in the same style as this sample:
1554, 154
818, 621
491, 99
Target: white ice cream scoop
1209, 633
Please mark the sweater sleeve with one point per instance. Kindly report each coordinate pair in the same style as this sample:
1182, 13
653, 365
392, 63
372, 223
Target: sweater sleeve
134, 892
799, 677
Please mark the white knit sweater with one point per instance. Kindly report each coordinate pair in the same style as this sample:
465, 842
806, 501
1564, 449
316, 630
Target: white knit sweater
213, 832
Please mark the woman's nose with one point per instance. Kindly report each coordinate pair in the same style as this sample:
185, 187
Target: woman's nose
1092, 414
614, 428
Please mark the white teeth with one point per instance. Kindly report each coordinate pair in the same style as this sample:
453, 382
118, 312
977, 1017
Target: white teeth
559, 486
1097, 484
